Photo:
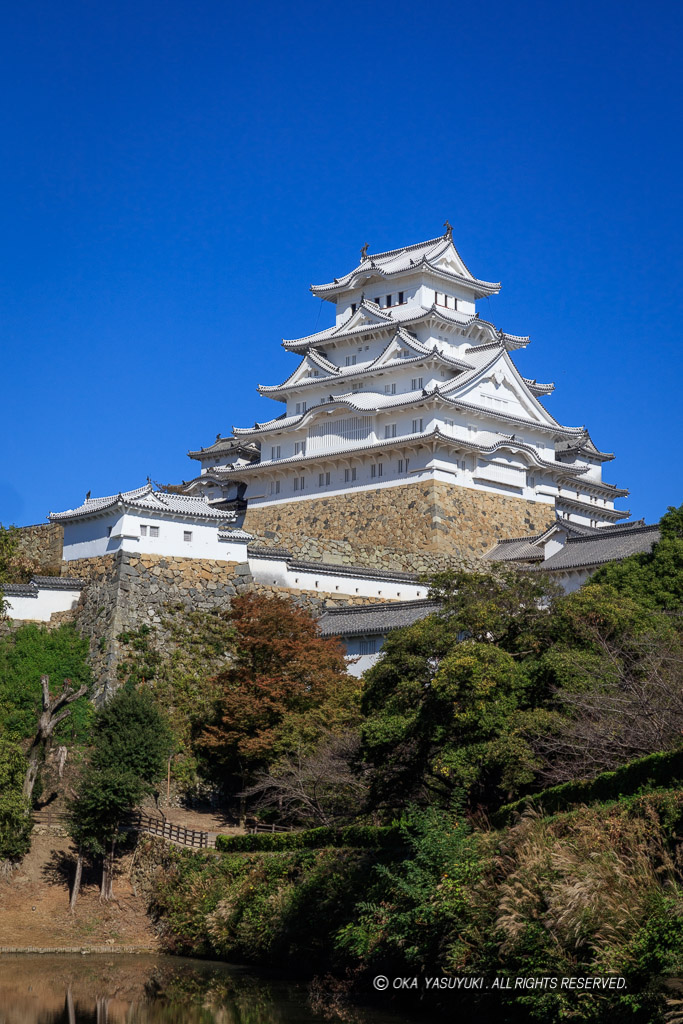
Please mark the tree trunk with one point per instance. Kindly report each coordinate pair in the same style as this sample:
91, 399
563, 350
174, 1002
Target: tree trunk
107, 887
77, 882
50, 717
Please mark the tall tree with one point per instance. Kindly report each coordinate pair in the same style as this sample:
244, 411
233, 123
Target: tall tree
131, 744
286, 686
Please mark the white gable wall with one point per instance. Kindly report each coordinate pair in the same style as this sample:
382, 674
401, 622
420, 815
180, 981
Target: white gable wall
131, 531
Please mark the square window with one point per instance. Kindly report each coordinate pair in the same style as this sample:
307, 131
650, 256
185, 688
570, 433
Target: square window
376, 300
154, 531
143, 531
187, 536
390, 430
389, 389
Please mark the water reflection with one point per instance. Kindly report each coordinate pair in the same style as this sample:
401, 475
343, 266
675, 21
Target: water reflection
91, 989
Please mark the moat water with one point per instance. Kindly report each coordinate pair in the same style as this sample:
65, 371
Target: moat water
102, 989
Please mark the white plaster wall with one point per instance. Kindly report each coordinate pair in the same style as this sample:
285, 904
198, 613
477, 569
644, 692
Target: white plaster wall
41, 607
88, 538
272, 572
356, 664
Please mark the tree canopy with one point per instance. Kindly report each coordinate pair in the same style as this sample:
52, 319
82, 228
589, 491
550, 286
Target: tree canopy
285, 686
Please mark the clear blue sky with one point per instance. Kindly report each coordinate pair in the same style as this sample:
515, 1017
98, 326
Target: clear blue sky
175, 175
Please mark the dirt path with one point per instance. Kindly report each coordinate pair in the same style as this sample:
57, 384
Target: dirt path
34, 905
34, 900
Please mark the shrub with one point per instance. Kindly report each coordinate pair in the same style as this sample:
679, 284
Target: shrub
362, 837
663, 770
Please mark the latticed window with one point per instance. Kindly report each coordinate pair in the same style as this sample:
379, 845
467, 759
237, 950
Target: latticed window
330, 433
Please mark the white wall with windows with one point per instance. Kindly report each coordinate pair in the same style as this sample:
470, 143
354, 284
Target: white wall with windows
158, 535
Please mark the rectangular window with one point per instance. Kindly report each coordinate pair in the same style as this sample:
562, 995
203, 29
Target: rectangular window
349, 475
298, 408
377, 469
323, 479
417, 426
275, 452
143, 531
373, 471
296, 483
187, 536
154, 531
416, 382
302, 481
109, 531
400, 298
353, 307
530, 480
436, 298
274, 486
388, 300
390, 430
368, 646
299, 447
350, 361
389, 389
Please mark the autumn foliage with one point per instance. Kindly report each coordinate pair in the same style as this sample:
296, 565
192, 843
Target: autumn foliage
285, 686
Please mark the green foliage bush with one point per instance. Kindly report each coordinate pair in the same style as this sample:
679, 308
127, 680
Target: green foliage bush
15, 814
25, 655
362, 837
654, 770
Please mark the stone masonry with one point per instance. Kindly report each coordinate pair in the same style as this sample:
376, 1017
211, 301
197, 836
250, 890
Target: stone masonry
42, 545
417, 527
126, 591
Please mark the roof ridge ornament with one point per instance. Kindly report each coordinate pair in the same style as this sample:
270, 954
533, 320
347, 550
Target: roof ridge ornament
449, 230
364, 252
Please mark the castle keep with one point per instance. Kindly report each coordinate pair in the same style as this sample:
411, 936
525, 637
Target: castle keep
408, 436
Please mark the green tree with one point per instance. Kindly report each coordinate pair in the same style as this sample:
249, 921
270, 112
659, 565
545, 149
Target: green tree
496, 604
15, 812
131, 744
446, 718
653, 578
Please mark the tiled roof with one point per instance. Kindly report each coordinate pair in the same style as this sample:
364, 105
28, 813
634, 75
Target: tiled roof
375, 618
146, 499
585, 545
342, 373
223, 446
38, 583
406, 314
524, 549
331, 568
410, 258
607, 545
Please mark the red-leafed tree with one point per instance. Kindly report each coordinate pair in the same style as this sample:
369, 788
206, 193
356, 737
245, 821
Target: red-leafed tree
285, 687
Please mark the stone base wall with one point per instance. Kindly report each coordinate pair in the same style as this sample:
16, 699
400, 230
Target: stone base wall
415, 527
127, 591
42, 545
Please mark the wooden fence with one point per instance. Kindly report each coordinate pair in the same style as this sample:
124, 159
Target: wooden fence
139, 822
174, 833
